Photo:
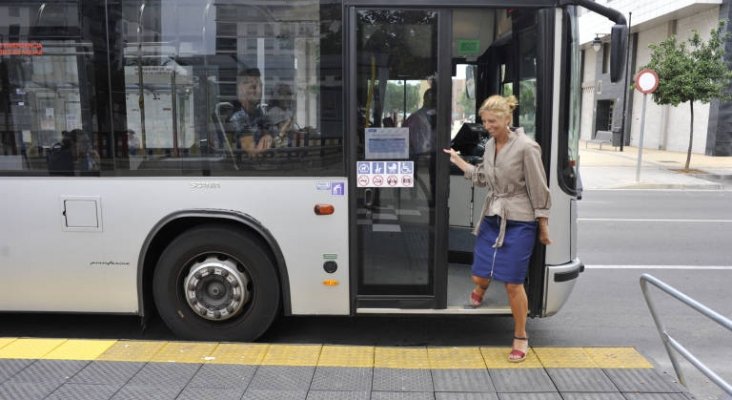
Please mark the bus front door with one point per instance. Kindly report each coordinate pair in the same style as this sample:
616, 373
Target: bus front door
398, 102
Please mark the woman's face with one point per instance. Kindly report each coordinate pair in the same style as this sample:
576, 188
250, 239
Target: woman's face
494, 123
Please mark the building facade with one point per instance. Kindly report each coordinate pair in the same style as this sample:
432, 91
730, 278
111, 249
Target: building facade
607, 107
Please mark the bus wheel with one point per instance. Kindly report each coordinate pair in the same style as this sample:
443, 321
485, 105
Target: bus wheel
214, 283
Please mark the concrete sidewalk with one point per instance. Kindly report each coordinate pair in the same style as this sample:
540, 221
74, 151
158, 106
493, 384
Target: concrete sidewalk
609, 168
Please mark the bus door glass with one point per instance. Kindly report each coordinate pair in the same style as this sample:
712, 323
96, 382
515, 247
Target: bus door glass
396, 124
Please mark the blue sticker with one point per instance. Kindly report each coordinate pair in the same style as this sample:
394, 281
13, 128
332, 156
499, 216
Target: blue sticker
338, 189
407, 167
392, 167
363, 167
377, 167
323, 185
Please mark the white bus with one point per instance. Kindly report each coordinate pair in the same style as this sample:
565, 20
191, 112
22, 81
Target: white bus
220, 163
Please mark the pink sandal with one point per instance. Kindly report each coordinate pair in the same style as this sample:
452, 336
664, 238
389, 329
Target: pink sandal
475, 299
517, 355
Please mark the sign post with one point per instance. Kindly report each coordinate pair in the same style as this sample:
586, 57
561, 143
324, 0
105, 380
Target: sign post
646, 81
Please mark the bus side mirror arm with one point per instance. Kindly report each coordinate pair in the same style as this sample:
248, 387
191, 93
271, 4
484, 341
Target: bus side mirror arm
618, 34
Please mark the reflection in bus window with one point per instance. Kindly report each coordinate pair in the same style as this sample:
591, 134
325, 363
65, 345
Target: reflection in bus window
45, 75
157, 98
186, 86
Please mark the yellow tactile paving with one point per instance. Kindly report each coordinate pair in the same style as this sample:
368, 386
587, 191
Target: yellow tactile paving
6, 341
292, 355
74, 349
30, 348
401, 357
455, 358
564, 357
617, 357
184, 352
346, 356
238, 353
497, 357
319, 355
134, 351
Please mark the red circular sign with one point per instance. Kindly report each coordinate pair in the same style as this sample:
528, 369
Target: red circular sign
646, 81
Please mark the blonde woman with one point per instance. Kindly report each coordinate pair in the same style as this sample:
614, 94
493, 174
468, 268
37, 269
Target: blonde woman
516, 207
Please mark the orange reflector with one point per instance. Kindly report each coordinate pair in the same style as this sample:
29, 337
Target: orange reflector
330, 282
324, 209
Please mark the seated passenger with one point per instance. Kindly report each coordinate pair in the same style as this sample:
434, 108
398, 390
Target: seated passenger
281, 116
61, 155
280, 125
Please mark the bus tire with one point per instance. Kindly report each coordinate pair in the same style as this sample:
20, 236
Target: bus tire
216, 283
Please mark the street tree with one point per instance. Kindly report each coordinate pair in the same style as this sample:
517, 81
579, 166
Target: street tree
693, 70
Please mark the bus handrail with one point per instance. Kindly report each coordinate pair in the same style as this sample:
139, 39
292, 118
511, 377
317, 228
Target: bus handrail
669, 342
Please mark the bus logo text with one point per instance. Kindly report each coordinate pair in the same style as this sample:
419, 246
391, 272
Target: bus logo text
205, 185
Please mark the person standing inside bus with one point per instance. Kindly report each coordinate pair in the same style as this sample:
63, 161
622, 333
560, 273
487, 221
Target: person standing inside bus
249, 120
421, 124
517, 205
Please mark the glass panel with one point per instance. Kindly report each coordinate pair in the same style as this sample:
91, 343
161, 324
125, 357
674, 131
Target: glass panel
48, 118
166, 93
235, 88
527, 81
396, 67
575, 94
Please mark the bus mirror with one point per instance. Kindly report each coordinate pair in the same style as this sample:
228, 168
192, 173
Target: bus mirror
619, 43
470, 81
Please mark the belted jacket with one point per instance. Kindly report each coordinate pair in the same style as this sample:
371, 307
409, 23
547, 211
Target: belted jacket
516, 182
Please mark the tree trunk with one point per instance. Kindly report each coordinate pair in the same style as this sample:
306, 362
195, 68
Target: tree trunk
691, 136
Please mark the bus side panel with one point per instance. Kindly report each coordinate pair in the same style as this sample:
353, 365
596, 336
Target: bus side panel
47, 266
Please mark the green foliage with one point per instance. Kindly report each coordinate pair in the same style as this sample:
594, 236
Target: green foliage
693, 70
394, 98
466, 104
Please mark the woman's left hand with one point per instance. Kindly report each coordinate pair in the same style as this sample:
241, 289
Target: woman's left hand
544, 232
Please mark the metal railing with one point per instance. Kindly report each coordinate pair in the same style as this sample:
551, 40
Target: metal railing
671, 343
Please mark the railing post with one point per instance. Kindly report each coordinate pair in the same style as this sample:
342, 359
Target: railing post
670, 343
661, 329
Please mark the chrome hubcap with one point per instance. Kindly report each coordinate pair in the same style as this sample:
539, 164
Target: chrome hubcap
215, 289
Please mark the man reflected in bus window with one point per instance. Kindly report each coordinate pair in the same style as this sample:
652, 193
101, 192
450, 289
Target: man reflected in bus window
248, 120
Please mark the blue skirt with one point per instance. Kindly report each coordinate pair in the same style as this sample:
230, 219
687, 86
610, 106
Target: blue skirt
510, 262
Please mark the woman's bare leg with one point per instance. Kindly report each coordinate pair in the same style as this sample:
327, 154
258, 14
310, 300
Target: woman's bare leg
519, 308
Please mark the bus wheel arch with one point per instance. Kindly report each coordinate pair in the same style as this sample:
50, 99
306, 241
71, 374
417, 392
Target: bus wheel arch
229, 236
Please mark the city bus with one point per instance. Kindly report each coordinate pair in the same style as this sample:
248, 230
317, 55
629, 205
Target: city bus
222, 163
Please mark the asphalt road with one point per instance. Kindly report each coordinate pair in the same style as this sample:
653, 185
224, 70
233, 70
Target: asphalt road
681, 237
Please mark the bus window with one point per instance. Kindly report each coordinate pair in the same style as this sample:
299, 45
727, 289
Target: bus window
230, 89
47, 76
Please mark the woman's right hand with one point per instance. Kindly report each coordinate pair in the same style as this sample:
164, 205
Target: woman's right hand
454, 156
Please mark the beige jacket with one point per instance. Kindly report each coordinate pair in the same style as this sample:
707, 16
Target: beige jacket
517, 188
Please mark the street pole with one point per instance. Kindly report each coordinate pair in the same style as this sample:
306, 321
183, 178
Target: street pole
640, 139
625, 87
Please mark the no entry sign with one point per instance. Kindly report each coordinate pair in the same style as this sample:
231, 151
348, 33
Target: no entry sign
646, 81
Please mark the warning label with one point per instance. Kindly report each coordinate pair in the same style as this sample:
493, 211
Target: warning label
385, 174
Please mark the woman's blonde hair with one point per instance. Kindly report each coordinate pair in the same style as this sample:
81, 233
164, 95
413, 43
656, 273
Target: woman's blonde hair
499, 105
